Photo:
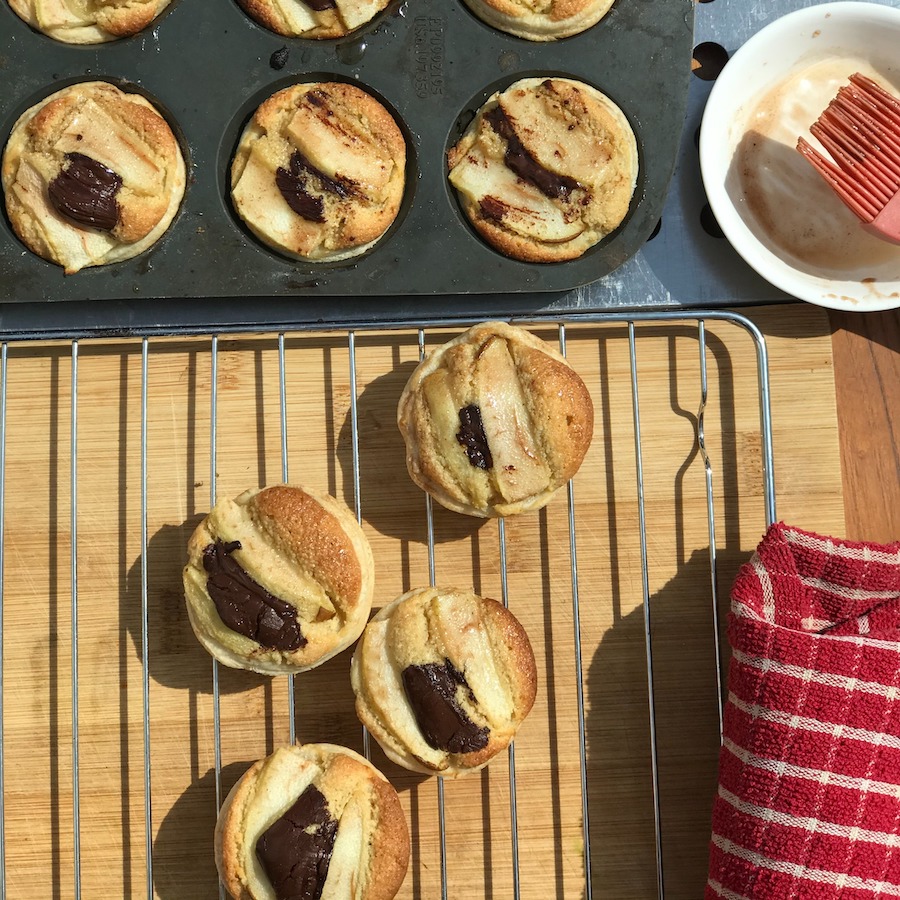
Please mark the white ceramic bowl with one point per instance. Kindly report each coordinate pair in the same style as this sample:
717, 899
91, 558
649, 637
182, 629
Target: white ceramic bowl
771, 204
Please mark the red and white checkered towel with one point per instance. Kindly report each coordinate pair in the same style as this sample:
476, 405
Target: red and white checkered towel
809, 775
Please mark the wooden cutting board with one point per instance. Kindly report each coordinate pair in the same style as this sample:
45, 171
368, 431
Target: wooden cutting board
109, 552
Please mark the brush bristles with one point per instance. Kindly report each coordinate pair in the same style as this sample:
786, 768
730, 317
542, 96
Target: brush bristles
860, 130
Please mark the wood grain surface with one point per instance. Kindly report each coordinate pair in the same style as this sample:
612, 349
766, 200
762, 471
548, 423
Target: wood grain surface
867, 384
97, 574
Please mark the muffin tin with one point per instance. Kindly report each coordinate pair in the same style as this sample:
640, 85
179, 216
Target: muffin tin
207, 66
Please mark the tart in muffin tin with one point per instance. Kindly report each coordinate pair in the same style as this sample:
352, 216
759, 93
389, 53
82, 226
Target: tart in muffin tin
91, 175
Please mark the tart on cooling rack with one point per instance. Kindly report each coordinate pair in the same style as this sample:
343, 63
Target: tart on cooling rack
308, 821
495, 422
443, 679
278, 580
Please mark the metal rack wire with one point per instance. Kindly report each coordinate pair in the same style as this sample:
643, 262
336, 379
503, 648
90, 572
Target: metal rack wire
630, 320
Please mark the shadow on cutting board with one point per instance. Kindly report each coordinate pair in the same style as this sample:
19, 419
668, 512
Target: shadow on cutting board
620, 778
685, 676
392, 503
183, 856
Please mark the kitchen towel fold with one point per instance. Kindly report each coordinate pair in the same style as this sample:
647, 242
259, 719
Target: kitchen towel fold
808, 806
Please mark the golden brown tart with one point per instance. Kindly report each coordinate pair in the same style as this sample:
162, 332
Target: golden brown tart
312, 820
92, 175
319, 171
278, 580
546, 20
495, 422
313, 18
88, 21
546, 170
443, 680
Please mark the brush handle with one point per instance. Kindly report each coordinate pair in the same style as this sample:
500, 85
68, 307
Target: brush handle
886, 225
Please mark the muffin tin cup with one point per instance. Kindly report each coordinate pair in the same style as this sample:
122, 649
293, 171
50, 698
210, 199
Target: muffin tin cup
432, 63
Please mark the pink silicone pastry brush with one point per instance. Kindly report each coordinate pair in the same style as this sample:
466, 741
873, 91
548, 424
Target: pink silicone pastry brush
860, 129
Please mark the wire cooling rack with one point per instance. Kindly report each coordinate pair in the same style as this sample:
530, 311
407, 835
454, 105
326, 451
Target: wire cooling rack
556, 820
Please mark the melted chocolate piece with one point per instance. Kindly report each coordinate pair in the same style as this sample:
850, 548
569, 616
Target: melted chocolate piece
320, 5
295, 851
431, 691
492, 208
292, 184
245, 606
85, 192
517, 158
471, 435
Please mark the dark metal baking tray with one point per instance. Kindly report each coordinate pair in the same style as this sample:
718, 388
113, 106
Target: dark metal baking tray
207, 65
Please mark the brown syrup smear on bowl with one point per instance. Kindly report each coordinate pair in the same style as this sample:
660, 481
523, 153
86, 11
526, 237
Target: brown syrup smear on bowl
783, 200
